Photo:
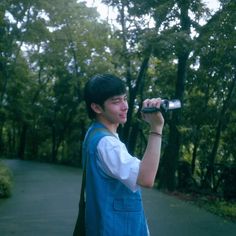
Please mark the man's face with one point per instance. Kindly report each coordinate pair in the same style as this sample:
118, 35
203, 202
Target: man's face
115, 109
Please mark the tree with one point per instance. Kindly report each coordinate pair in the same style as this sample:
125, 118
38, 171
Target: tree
169, 40
55, 51
220, 36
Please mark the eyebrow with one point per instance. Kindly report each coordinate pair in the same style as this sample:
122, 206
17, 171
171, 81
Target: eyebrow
118, 97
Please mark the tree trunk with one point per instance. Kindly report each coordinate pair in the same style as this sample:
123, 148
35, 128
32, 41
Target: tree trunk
195, 147
54, 145
126, 136
133, 137
22, 142
171, 153
169, 161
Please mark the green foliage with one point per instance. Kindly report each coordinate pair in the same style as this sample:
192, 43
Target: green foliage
5, 181
211, 203
219, 207
47, 55
229, 178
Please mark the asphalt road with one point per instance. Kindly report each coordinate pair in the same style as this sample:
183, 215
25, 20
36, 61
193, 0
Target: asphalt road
45, 203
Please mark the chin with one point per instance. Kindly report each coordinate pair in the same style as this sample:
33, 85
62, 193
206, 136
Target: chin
123, 121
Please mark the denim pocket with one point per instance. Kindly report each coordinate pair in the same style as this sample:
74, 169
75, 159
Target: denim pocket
127, 204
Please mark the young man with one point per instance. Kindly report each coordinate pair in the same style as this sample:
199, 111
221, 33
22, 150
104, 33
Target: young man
113, 177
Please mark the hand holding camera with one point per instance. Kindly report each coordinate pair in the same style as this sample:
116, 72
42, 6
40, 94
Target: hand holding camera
166, 105
152, 112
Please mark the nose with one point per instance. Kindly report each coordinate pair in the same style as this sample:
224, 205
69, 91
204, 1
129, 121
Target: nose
125, 105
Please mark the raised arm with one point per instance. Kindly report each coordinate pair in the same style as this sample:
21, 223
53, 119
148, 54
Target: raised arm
150, 161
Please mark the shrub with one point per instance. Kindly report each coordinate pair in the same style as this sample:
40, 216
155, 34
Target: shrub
229, 187
5, 181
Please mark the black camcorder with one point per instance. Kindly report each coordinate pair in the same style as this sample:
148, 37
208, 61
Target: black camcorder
166, 105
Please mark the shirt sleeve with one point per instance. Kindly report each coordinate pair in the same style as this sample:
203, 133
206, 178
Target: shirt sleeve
115, 161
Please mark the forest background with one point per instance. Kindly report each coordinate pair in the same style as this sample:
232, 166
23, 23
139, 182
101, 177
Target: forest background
166, 48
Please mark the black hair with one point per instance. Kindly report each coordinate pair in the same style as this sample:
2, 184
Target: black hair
101, 87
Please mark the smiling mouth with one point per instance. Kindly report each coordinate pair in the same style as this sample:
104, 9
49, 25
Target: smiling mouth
123, 116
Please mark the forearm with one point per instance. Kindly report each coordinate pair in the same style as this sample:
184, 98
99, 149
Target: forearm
150, 162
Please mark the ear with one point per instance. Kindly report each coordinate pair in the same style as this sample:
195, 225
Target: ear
96, 108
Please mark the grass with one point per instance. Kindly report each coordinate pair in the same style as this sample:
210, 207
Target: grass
218, 207
5, 181
215, 205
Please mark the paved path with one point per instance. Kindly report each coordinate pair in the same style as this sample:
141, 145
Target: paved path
45, 203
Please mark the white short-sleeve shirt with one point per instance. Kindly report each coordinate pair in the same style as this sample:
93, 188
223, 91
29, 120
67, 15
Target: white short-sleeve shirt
115, 161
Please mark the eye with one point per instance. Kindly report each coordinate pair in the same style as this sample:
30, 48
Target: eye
119, 99
116, 101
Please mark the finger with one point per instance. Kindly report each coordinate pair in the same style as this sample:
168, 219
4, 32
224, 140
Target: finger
146, 102
155, 102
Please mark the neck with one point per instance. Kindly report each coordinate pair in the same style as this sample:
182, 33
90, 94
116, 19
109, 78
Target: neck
110, 126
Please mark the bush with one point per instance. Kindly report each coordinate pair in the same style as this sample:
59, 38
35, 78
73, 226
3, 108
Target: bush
219, 207
229, 179
5, 181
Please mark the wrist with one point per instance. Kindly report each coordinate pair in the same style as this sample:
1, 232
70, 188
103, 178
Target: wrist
156, 129
155, 133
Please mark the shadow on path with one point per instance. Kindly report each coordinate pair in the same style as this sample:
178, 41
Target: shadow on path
45, 203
